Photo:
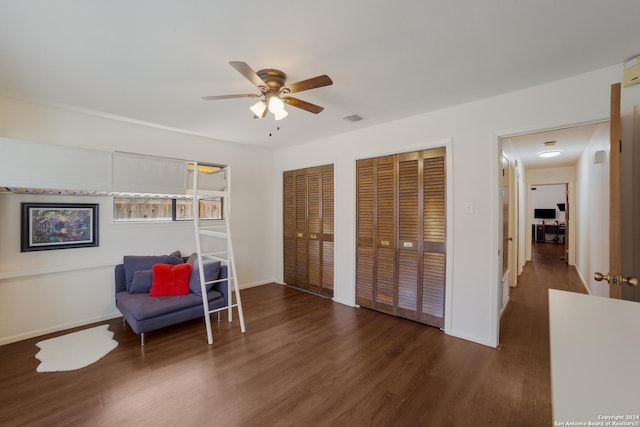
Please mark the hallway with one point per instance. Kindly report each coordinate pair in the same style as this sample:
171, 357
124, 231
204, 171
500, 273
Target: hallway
524, 328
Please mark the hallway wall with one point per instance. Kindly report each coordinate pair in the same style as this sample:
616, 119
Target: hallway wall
592, 212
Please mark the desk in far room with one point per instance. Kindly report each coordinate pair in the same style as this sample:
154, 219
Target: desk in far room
548, 233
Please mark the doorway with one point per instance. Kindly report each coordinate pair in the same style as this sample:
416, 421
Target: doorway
578, 180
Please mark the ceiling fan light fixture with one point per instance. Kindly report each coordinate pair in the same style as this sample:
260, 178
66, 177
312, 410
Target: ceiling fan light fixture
549, 153
281, 114
276, 104
258, 108
272, 83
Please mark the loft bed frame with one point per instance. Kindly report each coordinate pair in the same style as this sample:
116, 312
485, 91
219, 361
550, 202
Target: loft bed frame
47, 169
36, 168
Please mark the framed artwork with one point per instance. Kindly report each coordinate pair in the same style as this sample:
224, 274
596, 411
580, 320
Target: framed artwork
46, 226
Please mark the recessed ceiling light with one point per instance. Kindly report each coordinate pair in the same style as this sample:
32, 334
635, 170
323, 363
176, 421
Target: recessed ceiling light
549, 153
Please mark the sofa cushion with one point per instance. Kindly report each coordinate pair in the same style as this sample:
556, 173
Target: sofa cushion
142, 306
133, 263
170, 280
211, 272
141, 283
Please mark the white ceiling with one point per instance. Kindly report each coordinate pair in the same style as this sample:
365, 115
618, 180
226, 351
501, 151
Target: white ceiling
153, 60
571, 141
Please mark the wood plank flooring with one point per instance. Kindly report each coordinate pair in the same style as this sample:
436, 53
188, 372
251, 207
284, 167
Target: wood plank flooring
304, 360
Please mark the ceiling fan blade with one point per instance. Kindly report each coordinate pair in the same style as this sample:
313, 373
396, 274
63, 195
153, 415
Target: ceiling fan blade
311, 83
248, 95
248, 73
304, 105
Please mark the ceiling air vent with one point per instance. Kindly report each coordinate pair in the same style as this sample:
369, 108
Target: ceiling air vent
549, 143
353, 118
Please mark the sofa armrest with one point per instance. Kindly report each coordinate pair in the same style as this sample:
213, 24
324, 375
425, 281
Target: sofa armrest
120, 278
222, 287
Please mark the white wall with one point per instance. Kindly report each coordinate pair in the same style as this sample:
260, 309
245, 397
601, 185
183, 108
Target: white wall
592, 212
34, 301
474, 130
547, 197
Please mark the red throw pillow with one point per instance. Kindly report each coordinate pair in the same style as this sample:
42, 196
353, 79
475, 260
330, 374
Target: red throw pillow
169, 280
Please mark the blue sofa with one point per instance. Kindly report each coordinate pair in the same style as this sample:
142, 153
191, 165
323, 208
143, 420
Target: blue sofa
145, 313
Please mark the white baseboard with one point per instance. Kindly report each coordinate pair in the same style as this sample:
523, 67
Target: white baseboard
583, 281
255, 284
64, 326
504, 307
468, 337
345, 302
57, 328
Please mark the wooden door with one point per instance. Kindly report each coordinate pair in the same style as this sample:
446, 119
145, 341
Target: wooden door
615, 236
401, 235
632, 293
434, 238
505, 215
300, 221
308, 228
614, 276
313, 232
320, 229
327, 229
567, 220
288, 226
385, 266
365, 231
410, 228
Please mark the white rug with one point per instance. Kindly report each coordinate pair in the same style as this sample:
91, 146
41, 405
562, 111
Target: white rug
75, 350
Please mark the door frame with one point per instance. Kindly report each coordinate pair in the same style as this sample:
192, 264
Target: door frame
496, 243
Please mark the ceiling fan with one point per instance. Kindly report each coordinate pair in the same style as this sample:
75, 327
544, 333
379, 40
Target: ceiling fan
272, 85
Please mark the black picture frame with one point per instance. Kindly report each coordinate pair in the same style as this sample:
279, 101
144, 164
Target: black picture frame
48, 226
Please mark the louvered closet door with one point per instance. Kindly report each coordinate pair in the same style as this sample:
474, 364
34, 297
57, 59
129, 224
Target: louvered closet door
365, 200
400, 232
308, 228
314, 219
434, 238
409, 232
300, 185
385, 219
288, 226
327, 229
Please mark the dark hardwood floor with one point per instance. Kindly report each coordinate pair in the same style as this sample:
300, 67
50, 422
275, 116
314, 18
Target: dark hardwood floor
304, 360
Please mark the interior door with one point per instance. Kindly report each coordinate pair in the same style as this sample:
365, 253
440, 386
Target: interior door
614, 277
505, 215
308, 222
615, 236
386, 218
632, 293
365, 232
567, 219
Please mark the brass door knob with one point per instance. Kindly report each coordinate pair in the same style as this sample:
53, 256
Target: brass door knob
600, 277
615, 280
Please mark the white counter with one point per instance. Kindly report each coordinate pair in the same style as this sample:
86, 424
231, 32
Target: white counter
595, 359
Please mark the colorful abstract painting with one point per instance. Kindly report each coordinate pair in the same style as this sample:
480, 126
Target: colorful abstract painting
58, 226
